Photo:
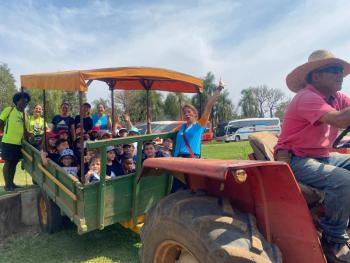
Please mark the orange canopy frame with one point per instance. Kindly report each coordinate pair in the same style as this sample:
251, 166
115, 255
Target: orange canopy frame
126, 78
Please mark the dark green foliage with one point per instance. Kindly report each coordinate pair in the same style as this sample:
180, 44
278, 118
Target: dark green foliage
7, 86
249, 104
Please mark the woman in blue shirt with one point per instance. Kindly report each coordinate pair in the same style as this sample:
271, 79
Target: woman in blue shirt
101, 119
189, 136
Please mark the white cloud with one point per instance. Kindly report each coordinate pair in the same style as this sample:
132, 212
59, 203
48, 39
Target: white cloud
246, 43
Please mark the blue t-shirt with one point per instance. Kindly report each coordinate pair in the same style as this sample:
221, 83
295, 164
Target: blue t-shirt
101, 122
193, 135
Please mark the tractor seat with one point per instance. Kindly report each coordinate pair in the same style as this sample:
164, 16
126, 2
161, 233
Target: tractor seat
263, 144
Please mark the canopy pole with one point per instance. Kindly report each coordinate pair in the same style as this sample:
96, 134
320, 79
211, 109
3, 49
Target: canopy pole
44, 108
82, 175
24, 121
113, 113
148, 112
147, 85
200, 104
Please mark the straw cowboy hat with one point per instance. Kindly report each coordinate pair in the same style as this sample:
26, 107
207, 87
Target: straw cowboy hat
319, 58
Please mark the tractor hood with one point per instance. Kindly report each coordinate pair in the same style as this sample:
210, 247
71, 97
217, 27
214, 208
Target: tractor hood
203, 167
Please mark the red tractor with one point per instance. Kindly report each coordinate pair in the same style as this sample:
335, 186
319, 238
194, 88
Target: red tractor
233, 211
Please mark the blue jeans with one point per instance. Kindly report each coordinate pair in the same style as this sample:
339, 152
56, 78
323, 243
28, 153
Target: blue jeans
332, 176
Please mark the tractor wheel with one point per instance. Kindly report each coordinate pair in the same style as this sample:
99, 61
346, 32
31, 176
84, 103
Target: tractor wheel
194, 228
50, 219
237, 138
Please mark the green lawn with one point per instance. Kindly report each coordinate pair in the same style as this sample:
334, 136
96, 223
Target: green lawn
21, 178
113, 244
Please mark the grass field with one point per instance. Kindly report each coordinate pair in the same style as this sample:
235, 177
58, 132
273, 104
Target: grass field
113, 244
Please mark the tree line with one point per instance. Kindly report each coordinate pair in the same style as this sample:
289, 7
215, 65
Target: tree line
260, 101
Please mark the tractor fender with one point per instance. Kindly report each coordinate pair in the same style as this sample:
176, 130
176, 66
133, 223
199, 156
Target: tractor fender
270, 192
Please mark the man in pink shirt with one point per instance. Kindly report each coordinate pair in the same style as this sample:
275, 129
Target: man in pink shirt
309, 129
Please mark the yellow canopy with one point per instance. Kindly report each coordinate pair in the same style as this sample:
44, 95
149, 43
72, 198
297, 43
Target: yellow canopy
135, 78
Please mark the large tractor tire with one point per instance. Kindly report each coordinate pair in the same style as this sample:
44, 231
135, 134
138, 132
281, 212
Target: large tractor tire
50, 218
195, 228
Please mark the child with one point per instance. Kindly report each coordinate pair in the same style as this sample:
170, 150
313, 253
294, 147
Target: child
113, 168
128, 166
53, 154
105, 135
67, 162
51, 142
166, 149
123, 132
119, 153
149, 150
93, 175
51, 151
63, 135
93, 133
128, 150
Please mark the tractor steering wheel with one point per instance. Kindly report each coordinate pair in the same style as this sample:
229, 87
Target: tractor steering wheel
346, 144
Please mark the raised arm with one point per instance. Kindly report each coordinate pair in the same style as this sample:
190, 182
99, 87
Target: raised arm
128, 121
212, 100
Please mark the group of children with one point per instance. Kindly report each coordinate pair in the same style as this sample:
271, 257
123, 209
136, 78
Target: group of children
121, 159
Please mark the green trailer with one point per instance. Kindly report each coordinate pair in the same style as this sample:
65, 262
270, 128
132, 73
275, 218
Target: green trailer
124, 199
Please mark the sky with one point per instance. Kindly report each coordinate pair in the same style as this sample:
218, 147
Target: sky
246, 43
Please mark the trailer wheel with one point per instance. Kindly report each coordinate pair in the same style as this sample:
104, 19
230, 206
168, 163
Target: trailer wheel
50, 219
191, 228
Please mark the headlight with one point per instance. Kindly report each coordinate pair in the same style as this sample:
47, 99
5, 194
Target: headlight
240, 176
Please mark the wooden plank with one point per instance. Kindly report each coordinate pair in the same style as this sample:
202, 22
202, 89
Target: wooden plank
27, 155
58, 183
128, 140
102, 187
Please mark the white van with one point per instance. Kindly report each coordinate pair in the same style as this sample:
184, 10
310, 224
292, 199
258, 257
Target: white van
240, 129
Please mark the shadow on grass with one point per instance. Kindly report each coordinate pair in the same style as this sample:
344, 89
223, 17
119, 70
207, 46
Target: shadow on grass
113, 244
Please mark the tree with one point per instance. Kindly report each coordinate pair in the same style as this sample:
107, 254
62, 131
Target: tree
274, 97
53, 102
249, 104
261, 94
171, 107
73, 99
7, 86
281, 109
125, 100
224, 108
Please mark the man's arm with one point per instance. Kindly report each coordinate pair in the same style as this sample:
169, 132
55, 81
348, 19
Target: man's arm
339, 119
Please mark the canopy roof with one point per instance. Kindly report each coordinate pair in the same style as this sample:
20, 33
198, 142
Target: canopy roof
133, 78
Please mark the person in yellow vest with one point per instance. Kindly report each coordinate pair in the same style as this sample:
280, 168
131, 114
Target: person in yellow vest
36, 128
12, 125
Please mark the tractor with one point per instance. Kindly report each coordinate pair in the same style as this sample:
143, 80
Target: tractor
234, 211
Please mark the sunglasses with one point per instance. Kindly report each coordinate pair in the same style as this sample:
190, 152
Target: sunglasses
332, 70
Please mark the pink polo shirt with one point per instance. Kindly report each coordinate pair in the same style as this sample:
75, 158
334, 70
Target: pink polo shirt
302, 132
